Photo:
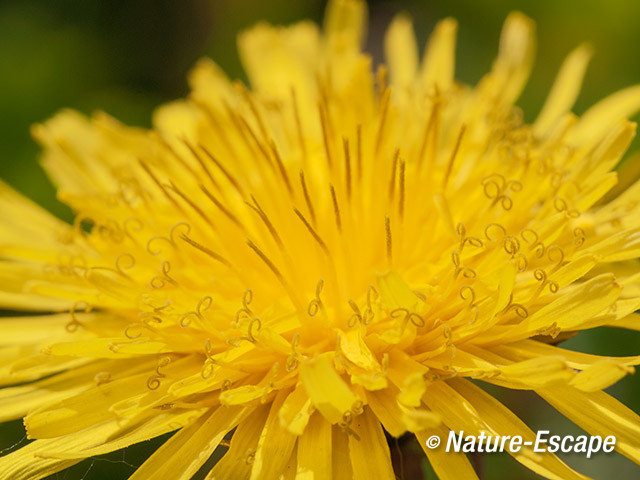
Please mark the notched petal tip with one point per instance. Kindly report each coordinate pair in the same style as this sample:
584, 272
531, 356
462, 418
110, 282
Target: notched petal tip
401, 50
515, 56
438, 63
565, 89
346, 21
517, 37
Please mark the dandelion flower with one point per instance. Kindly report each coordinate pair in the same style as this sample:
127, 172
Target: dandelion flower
286, 271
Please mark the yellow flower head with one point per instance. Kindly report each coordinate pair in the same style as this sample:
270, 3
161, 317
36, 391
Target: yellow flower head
286, 271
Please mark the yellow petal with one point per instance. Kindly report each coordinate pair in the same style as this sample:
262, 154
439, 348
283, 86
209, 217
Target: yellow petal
408, 376
595, 122
515, 58
565, 89
600, 375
237, 462
33, 303
354, 348
375, 381
456, 412
504, 422
401, 51
329, 393
417, 419
594, 192
116, 434
187, 450
567, 312
26, 223
531, 349
209, 84
620, 309
384, 405
395, 292
438, 64
290, 470
32, 366
345, 22
537, 371
369, 452
196, 383
624, 245
607, 154
341, 467
243, 394
84, 409
574, 270
274, 446
507, 279
277, 58
631, 322
447, 465
27, 464
29, 330
314, 450
463, 361
115, 347
599, 414
296, 410
70, 159
17, 401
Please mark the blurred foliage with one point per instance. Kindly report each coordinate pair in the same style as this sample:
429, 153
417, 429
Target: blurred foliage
125, 57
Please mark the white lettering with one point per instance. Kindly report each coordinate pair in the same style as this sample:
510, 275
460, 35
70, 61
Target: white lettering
483, 443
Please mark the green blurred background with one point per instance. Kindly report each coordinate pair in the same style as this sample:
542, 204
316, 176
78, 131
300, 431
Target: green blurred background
125, 57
